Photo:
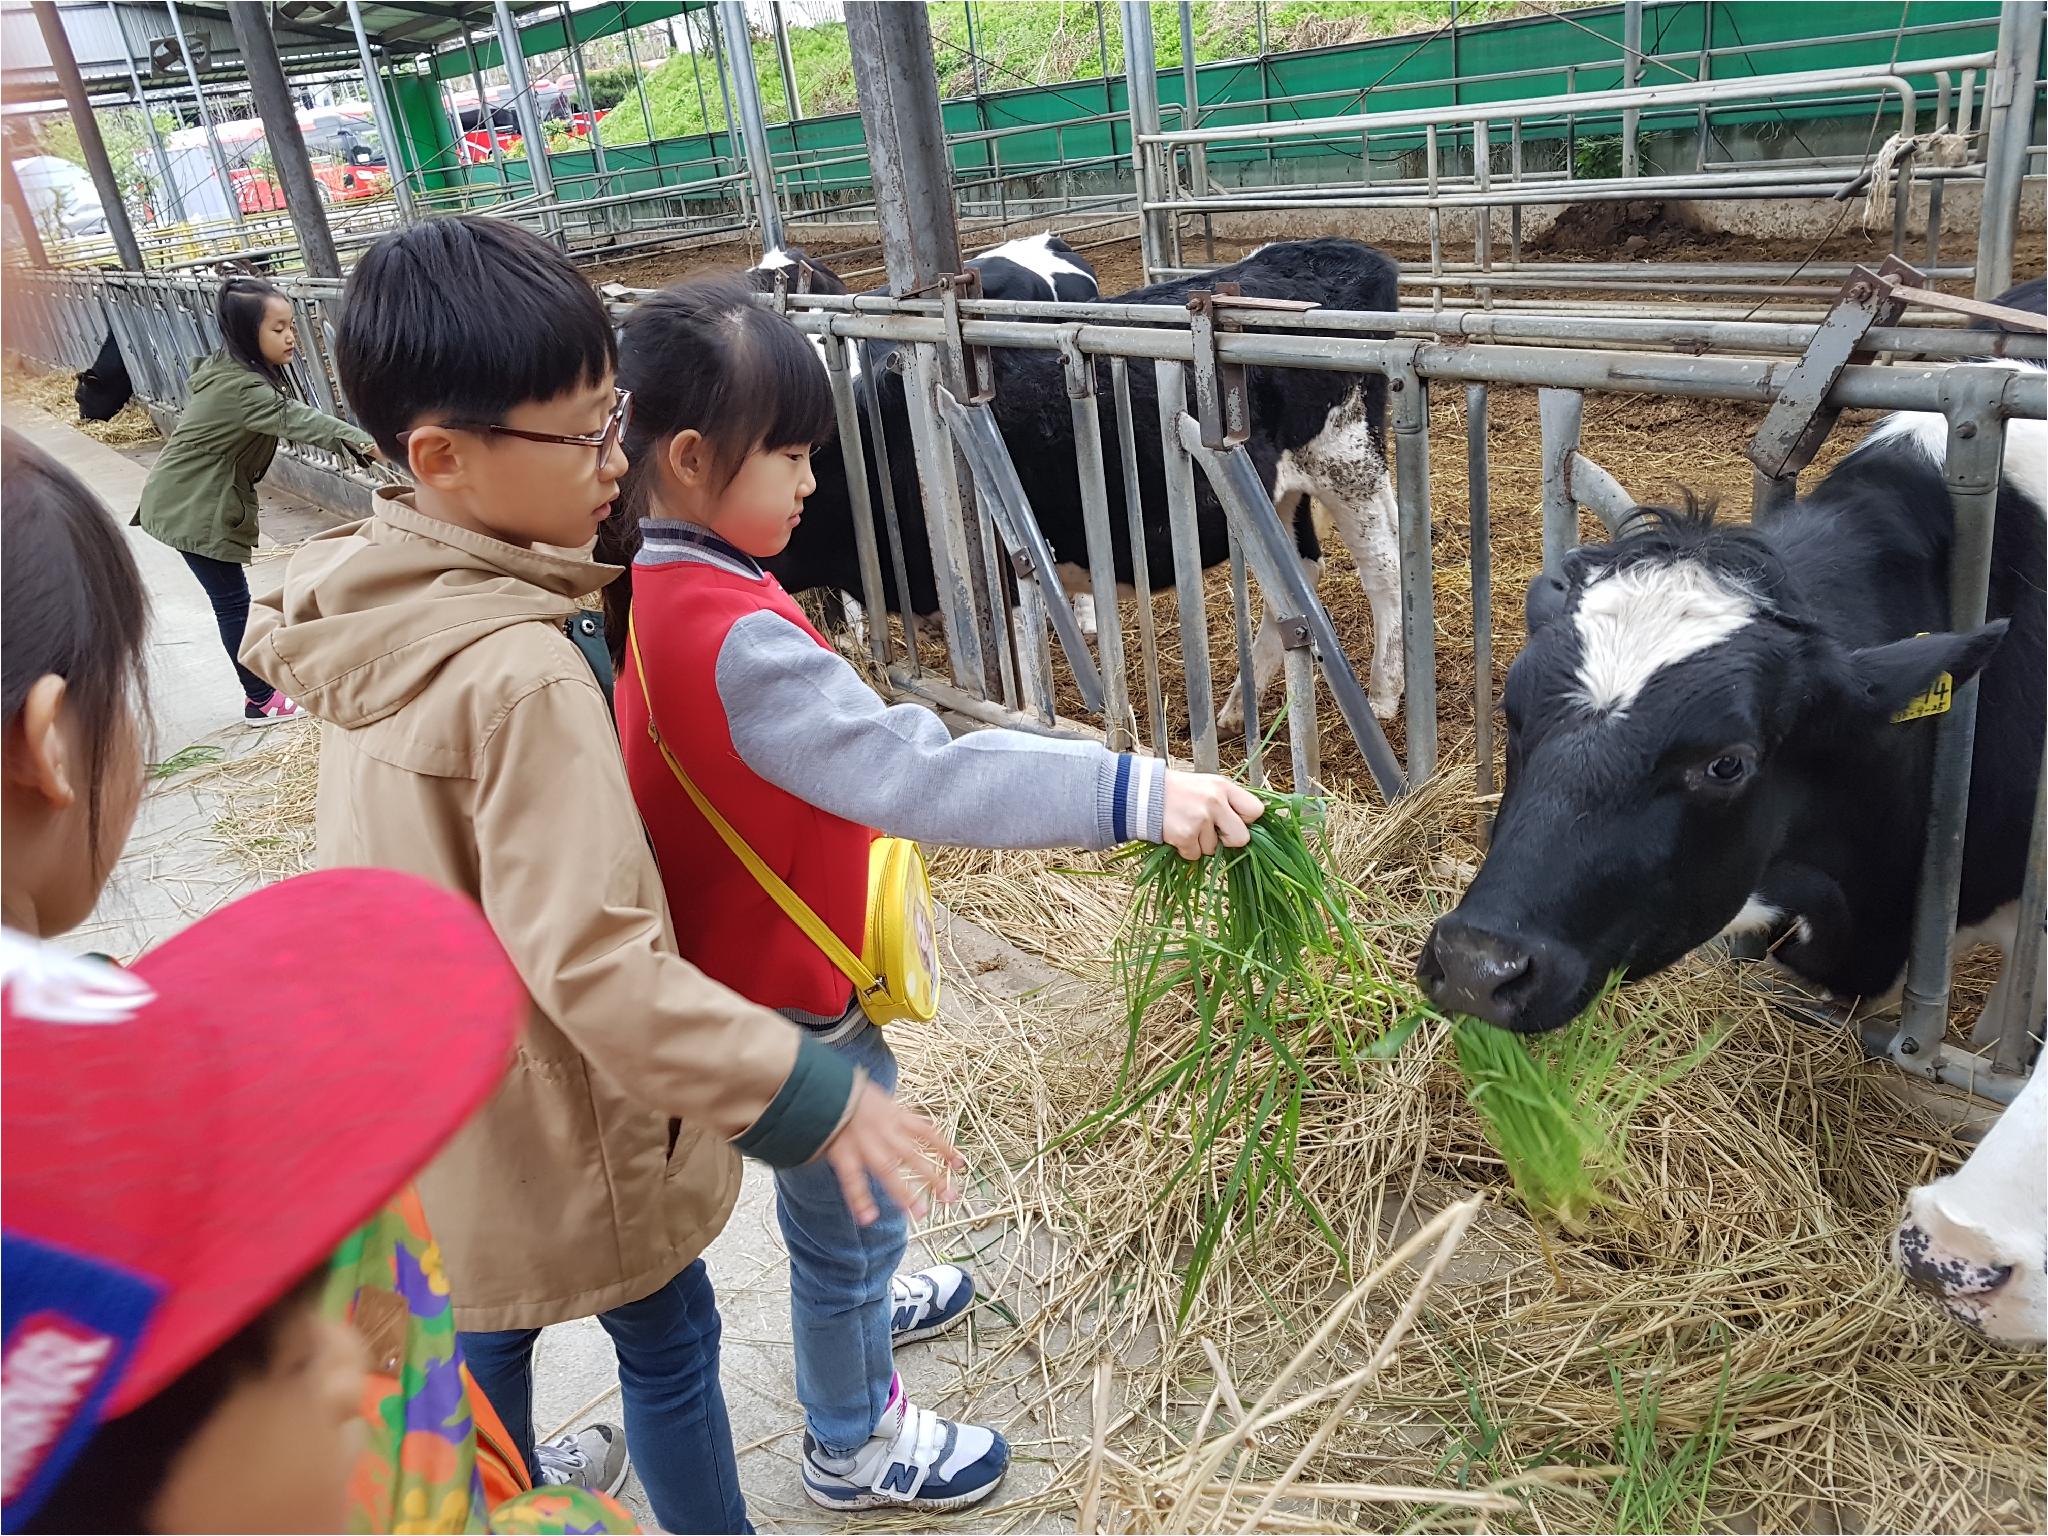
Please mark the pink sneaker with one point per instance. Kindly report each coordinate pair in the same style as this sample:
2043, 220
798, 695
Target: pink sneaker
275, 710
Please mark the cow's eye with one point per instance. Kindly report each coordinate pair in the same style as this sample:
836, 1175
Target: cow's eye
1729, 769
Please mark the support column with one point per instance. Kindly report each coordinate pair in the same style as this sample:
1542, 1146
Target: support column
523, 107
899, 111
156, 143
31, 237
639, 80
287, 144
583, 90
2008, 121
1141, 78
486, 119
380, 109
785, 60
1631, 77
89, 140
746, 87
220, 161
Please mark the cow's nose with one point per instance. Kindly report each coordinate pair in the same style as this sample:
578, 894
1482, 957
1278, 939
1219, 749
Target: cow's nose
1944, 1274
1466, 969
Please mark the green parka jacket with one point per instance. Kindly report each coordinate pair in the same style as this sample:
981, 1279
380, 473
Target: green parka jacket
201, 497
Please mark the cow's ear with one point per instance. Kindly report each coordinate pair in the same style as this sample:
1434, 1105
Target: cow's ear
1886, 678
1547, 594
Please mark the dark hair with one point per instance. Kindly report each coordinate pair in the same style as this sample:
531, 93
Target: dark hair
117, 1477
239, 309
465, 319
705, 355
72, 603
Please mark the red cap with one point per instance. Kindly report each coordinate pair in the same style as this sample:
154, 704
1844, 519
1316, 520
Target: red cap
183, 1142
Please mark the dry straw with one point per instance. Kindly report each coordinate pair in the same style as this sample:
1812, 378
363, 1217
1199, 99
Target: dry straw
1727, 1338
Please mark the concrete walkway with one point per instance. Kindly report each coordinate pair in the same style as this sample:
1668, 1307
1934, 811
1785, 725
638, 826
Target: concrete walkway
175, 870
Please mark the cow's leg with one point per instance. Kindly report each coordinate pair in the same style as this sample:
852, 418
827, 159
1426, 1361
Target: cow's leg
856, 619
1359, 492
2001, 931
1079, 586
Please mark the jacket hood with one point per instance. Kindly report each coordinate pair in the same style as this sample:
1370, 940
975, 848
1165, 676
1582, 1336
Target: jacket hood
369, 614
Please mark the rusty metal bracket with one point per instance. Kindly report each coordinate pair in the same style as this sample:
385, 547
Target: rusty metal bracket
1294, 635
1077, 365
1222, 400
1801, 419
972, 369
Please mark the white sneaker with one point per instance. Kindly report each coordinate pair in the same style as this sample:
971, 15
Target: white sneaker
592, 1457
926, 1304
914, 1460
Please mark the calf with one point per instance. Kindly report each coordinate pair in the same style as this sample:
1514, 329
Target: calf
1039, 268
1313, 433
1974, 1238
796, 269
104, 388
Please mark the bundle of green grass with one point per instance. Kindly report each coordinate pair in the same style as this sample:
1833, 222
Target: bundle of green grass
1262, 942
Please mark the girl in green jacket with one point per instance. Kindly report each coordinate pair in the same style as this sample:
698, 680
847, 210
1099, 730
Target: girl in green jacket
201, 497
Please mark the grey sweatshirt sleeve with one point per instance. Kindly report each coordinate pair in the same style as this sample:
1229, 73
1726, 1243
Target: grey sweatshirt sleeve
803, 719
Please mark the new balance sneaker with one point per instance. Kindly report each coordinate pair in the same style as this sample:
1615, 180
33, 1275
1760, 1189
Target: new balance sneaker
926, 1304
275, 710
914, 1460
592, 1457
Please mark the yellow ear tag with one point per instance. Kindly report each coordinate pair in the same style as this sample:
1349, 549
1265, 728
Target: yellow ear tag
1935, 701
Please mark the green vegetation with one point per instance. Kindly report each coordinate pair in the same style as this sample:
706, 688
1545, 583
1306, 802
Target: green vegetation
1659, 1490
1025, 43
185, 759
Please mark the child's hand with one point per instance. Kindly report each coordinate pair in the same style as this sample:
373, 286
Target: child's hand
1204, 809
895, 1147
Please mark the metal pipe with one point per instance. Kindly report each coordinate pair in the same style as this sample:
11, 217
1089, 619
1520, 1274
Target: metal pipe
639, 84
1558, 415
1976, 451
280, 117
696, 70
1191, 117
1120, 724
739, 50
1187, 567
1631, 75
486, 116
732, 132
846, 414
24, 222
58, 42
792, 103
1141, 81
1141, 571
220, 161
2022, 975
583, 91
1418, 575
1479, 503
156, 143
2009, 120
380, 112
512, 54
1247, 670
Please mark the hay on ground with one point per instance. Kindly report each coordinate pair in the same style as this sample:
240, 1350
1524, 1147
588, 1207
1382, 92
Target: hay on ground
50, 391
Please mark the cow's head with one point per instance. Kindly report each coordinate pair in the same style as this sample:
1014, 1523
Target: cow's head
1675, 700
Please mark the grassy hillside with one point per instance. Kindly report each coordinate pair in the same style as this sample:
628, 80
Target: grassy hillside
1031, 42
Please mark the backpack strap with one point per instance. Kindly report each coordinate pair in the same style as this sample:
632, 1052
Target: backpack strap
794, 907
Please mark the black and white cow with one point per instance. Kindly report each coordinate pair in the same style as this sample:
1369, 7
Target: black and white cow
1712, 731
1040, 269
796, 269
1313, 434
104, 387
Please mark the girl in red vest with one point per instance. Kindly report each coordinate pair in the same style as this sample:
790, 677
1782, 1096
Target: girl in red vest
791, 747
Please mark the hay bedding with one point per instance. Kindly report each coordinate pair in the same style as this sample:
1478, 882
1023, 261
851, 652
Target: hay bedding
1737, 1295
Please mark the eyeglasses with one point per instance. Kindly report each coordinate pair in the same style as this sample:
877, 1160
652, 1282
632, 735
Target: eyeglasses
603, 440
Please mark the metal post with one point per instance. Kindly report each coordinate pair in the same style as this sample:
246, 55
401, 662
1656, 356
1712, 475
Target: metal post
486, 117
1141, 79
280, 116
1558, 414
1191, 117
2008, 122
1976, 452
511, 50
1436, 224
31, 237
1702, 74
1631, 76
380, 110
739, 52
88, 129
1102, 48
973, 51
2022, 973
589, 106
156, 143
220, 161
1482, 598
1187, 566
785, 60
1418, 590
639, 81
697, 71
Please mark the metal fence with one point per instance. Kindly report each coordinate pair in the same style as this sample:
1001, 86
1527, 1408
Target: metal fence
1001, 598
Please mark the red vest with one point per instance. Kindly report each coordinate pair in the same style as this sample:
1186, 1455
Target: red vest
726, 925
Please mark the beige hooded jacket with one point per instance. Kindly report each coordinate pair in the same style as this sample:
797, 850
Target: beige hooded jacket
465, 739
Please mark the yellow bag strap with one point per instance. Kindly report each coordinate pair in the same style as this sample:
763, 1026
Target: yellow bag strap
794, 906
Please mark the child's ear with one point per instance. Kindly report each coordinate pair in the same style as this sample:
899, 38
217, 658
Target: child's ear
38, 752
434, 455
688, 458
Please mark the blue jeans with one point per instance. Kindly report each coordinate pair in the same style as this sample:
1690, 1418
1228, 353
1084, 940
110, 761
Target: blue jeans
839, 1277
227, 588
676, 1428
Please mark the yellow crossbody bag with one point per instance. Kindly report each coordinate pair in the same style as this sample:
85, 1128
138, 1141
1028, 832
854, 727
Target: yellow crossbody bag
896, 974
